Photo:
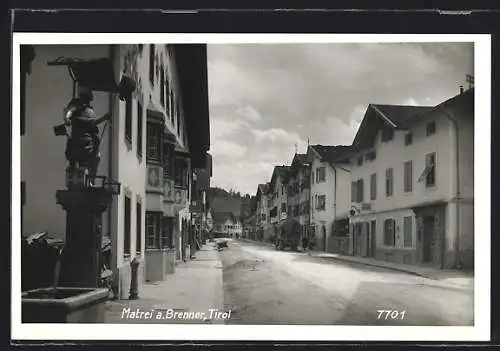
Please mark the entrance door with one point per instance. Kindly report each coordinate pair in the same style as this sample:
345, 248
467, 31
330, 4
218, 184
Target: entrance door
427, 238
324, 238
373, 238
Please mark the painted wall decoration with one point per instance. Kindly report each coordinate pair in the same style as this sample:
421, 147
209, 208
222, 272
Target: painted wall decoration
133, 54
154, 177
180, 197
168, 188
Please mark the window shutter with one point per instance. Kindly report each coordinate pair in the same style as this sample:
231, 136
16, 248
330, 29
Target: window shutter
354, 195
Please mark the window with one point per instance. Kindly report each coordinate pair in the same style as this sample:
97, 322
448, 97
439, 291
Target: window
372, 155
128, 119
373, 186
296, 211
431, 128
408, 231
282, 190
152, 64
408, 176
283, 207
312, 176
138, 238
408, 139
177, 112
153, 152
389, 232
320, 174
321, 202
153, 229
387, 134
181, 172
389, 182
126, 224
289, 210
166, 237
354, 191
172, 107
162, 86
167, 93
168, 161
360, 161
429, 173
139, 128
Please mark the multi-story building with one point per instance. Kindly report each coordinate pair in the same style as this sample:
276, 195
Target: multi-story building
299, 191
262, 212
329, 194
412, 183
277, 187
200, 201
124, 142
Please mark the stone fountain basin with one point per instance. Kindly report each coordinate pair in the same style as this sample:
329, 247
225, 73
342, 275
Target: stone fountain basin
64, 305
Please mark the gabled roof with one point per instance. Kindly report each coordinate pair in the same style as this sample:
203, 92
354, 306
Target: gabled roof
279, 171
400, 117
330, 153
299, 160
261, 189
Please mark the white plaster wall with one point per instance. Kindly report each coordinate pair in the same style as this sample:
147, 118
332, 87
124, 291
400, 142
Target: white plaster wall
43, 163
394, 153
326, 188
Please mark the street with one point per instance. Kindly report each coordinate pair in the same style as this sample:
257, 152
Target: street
265, 286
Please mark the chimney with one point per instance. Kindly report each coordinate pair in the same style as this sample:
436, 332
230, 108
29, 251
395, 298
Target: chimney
461, 89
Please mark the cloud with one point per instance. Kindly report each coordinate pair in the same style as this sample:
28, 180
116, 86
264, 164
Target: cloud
222, 126
248, 113
227, 148
266, 98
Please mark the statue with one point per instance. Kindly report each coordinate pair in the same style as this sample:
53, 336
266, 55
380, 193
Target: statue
82, 146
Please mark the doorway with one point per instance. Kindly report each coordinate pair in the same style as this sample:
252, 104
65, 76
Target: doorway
323, 230
373, 239
427, 238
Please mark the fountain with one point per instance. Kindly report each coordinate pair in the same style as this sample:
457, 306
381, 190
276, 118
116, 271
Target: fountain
74, 296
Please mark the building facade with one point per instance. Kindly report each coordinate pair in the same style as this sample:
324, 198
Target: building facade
412, 183
329, 194
299, 191
262, 213
127, 154
279, 203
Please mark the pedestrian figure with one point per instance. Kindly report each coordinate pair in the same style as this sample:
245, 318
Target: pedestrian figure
304, 243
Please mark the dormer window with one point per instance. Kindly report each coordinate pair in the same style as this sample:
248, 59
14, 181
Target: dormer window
387, 134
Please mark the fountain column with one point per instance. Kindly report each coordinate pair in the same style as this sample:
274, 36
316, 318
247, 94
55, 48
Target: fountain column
80, 263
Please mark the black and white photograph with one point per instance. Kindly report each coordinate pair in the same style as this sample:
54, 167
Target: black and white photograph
246, 187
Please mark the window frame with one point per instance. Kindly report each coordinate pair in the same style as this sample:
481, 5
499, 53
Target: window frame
154, 140
140, 123
138, 226
431, 171
373, 186
408, 139
127, 222
408, 176
321, 174
430, 128
389, 182
129, 118
321, 202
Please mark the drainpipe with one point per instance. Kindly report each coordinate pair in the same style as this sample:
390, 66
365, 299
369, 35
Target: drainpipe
457, 194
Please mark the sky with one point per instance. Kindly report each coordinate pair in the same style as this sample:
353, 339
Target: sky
267, 99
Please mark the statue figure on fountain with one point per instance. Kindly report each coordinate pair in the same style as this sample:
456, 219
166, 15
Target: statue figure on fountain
82, 146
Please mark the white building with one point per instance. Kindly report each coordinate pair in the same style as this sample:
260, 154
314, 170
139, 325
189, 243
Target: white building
412, 183
329, 193
46, 92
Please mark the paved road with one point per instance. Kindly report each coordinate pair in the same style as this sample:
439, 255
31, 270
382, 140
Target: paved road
264, 286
